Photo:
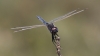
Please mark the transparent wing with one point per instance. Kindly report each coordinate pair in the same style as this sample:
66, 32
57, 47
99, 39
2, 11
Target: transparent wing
67, 15
63, 15
18, 29
34, 26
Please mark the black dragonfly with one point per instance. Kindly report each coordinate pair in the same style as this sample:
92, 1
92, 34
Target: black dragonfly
51, 27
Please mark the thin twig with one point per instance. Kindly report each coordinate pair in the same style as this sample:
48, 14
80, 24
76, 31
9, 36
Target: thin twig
57, 44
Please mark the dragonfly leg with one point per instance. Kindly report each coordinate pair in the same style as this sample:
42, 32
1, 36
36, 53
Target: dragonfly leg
53, 36
57, 34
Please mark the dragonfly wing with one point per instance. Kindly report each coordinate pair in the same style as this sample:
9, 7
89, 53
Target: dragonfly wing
18, 29
63, 16
66, 15
33, 26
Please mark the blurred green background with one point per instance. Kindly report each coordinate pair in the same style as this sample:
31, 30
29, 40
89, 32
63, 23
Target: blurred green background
80, 34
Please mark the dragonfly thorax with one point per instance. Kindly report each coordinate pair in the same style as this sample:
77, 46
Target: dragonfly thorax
50, 25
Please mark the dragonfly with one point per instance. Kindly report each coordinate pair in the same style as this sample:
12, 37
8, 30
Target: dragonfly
50, 25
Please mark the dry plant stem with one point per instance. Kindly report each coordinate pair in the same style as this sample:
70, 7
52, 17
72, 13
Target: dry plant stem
57, 44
